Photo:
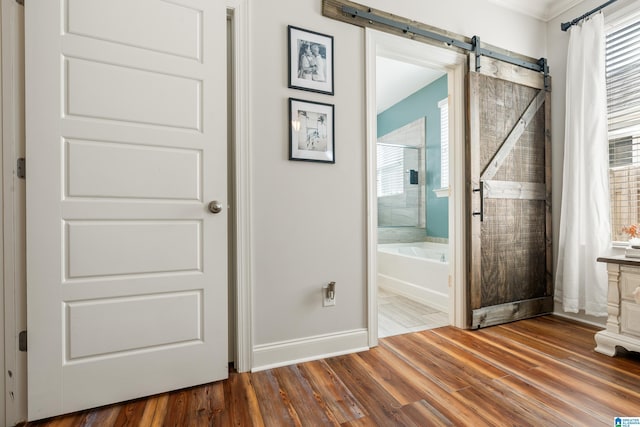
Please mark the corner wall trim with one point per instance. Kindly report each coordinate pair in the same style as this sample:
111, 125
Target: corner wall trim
283, 353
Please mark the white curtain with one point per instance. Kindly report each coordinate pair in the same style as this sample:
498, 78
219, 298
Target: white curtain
585, 232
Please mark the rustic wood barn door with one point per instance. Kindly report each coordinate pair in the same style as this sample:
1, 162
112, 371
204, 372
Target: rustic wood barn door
509, 175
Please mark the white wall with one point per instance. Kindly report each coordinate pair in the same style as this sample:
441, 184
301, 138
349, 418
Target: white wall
309, 219
558, 42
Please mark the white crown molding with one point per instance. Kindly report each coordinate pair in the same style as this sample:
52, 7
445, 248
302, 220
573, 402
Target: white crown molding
560, 6
544, 10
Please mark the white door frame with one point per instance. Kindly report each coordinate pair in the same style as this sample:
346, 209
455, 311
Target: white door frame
3, 403
13, 214
12, 252
382, 44
242, 211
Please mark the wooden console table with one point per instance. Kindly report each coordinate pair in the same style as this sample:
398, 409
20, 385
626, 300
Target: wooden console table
623, 321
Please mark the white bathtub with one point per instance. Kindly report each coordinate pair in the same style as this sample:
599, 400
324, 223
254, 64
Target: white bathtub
419, 271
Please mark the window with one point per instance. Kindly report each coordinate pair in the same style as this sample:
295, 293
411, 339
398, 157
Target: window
390, 169
444, 143
623, 104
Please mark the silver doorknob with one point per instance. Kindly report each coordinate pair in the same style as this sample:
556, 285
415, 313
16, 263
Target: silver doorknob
215, 207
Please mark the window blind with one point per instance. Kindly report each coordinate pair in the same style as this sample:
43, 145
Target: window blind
623, 108
390, 170
444, 143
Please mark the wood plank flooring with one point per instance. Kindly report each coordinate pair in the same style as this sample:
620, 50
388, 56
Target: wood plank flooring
536, 372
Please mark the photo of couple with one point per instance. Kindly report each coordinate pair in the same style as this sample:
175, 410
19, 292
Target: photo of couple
310, 60
312, 64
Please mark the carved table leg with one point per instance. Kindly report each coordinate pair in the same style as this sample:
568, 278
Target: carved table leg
605, 340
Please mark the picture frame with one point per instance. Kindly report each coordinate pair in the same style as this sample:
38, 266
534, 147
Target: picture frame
310, 60
311, 131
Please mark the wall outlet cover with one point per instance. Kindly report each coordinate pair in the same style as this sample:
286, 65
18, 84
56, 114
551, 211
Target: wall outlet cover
327, 302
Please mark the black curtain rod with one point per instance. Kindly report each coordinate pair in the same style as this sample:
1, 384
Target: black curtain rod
566, 25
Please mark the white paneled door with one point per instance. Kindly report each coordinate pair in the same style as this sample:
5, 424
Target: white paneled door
126, 147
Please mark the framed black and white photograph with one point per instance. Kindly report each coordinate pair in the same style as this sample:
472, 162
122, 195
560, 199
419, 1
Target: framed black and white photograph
310, 61
311, 131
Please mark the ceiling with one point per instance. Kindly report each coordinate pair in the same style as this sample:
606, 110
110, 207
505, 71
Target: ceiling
395, 80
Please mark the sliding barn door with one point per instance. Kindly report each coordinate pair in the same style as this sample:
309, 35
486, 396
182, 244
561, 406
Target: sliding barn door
126, 147
509, 175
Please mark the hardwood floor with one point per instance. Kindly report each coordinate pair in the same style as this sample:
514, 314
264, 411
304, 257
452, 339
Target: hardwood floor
400, 315
537, 372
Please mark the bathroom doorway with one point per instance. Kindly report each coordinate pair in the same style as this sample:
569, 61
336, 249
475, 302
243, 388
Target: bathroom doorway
412, 191
413, 89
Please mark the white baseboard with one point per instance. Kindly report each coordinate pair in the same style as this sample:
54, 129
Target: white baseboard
424, 296
283, 353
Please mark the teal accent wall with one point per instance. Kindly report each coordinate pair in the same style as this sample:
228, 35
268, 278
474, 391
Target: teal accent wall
424, 103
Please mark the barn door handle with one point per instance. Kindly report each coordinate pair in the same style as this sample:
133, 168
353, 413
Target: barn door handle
481, 191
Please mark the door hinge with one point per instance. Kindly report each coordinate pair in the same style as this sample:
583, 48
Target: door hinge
20, 2
21, 170
22, 341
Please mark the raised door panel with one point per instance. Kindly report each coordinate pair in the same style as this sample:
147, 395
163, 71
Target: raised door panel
131, 171
131, 95
116, 248
175, 28
112, 326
